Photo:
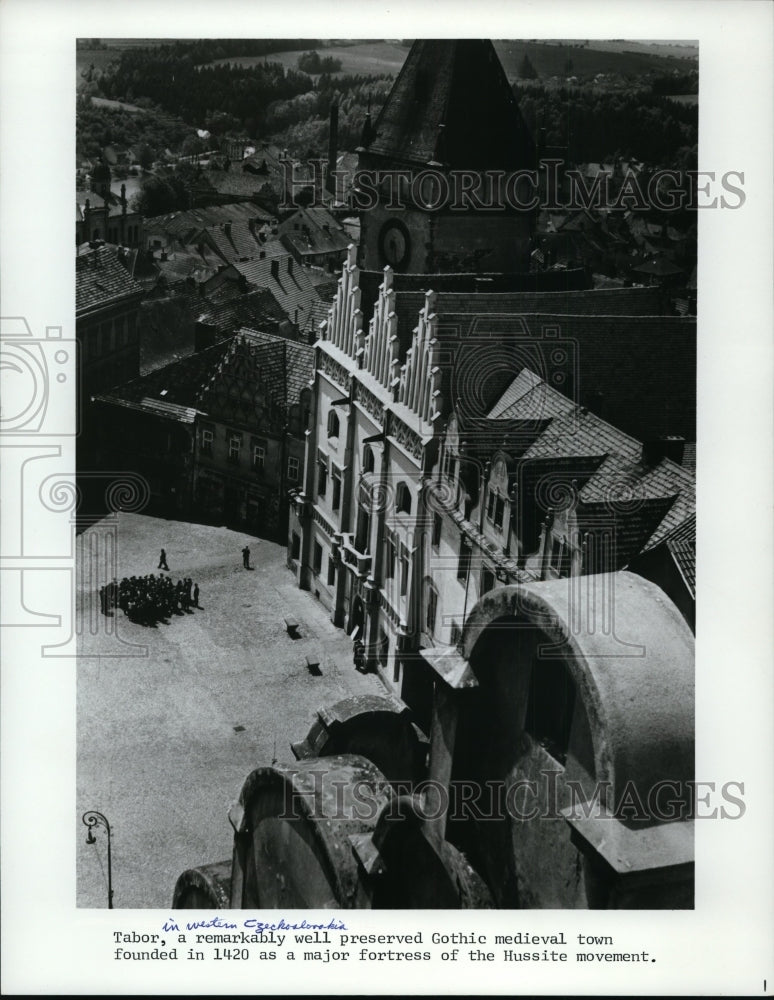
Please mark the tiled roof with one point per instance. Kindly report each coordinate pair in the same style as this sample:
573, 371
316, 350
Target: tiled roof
178, 383
646, 501
101, 279
638, 372
624, 482
182, 224
311, 231
291, 287
179, 265
521, 385
253, 309
317, 315
297, 364
96, 202
681, 542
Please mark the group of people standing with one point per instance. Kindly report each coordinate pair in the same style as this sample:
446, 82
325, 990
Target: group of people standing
148, 599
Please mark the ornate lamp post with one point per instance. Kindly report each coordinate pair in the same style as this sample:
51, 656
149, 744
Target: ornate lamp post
92, 819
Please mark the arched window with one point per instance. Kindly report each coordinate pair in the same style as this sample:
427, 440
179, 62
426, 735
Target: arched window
403, 499
368, 458
333, 424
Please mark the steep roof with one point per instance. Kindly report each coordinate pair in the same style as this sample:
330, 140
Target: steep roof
287, 281
297, 367
256, 308
101, 279
177, 384
250, 378
461, 85
649, 500
681, 542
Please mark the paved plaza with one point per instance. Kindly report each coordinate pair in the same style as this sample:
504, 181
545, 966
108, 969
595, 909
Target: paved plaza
172, 718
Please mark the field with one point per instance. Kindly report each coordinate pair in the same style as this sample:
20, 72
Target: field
549, 58
103, 102
366, 59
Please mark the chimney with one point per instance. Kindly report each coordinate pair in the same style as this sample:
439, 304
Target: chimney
333, 143
368, 134
290, 265
275, 268
670, 446
227, 229
123, 199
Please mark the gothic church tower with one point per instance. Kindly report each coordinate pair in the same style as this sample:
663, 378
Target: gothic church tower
451, 110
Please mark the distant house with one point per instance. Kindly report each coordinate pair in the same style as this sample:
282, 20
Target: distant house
107, 302
315, 237
218, 435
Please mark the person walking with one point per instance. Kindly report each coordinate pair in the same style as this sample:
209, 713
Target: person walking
163, 561
246, 557
196, 595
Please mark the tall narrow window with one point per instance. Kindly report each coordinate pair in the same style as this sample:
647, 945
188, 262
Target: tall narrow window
207, 437
499, 512
317, 558
234, 446
404, 570
336, 481
363, 534
259, 457
463, 566
389, 556
322, 475
437, 527
293, 468
333, 424
432, 608
368, 458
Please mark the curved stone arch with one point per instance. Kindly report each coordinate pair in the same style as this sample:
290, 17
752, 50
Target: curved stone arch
635, 678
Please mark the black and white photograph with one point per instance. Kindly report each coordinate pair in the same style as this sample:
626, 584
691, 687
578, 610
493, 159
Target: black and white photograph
359, 483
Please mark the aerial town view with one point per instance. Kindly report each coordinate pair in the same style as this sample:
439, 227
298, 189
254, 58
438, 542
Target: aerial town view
386, 538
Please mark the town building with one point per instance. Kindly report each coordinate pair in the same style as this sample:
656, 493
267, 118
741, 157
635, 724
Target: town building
218, 435
107, 303
102, 215
438, 336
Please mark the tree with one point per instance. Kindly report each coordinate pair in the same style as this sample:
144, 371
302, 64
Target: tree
526, 70
145, 157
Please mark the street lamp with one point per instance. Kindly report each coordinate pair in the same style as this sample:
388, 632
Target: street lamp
92, 819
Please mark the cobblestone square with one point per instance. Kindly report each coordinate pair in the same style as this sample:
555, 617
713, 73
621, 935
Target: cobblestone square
161, 751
